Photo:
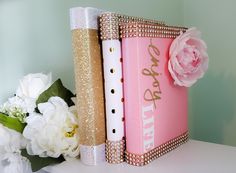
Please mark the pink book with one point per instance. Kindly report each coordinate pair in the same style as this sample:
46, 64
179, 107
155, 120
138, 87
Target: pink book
155, 108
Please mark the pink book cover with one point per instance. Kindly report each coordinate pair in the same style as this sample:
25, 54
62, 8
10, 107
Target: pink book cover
155, 109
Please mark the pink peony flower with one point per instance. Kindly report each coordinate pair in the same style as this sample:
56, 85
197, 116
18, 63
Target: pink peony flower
188, 58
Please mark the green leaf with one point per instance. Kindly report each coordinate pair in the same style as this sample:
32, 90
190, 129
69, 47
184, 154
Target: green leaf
39, 162
12, 123
56, 89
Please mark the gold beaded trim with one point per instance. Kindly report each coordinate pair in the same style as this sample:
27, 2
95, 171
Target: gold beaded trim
137, 29
109, 24
115, 151
141, 160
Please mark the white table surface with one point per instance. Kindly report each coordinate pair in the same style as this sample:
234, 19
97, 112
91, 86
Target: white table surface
192, 157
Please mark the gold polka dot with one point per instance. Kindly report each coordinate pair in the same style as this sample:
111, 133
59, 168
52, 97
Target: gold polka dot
112, 49
112, 70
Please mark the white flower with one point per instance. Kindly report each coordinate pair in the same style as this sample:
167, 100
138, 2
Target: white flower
17, 107
10, 140
54, 132
15, 163
73, 108
32, 85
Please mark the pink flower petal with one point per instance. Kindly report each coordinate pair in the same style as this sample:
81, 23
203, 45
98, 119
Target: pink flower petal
188, 58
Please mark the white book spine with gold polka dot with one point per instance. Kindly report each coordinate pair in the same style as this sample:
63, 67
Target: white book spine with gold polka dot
112, 63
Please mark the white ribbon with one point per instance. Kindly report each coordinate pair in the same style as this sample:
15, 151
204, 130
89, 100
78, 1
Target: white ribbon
92, 155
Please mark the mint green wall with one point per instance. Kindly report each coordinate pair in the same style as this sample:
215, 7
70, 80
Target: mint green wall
35, 34
35, 37
213, 100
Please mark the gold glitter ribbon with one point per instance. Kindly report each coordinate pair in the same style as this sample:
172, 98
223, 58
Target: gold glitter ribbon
89, 86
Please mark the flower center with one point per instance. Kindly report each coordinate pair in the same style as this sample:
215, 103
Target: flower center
18, 113
71, 133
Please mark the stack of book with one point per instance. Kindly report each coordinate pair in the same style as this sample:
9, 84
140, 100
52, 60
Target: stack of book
129, 108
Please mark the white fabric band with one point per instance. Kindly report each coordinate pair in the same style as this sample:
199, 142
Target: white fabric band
84, 18
92, 155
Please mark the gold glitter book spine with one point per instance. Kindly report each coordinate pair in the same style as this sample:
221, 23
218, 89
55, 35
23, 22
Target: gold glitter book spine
89, 86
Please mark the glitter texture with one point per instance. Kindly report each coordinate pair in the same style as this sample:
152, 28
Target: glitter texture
110, 22
89, 86
138, 29
115, 151
141, 160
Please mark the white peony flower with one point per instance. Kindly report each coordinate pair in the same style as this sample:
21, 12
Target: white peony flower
11, 161
10, 140
15, 163
32, 85
73, 108
18, 107
54, 132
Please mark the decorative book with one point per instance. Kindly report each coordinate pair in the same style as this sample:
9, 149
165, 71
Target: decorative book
112, 66
147, 67
155, 108
89, 84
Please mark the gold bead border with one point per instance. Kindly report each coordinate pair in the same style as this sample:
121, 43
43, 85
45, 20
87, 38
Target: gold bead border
115, 151
109, 24
137, 29
141, 160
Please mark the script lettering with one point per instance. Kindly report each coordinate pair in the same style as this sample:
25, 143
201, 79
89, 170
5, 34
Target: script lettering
151, 95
